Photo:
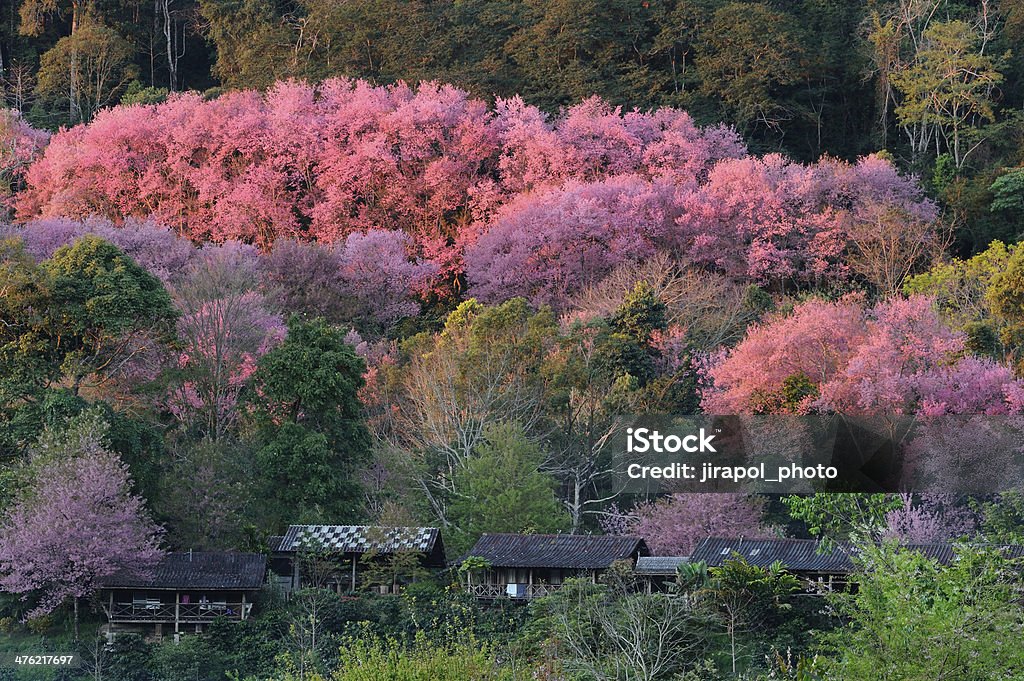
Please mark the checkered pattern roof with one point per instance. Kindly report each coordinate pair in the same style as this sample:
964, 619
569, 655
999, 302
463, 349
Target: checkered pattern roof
359, 538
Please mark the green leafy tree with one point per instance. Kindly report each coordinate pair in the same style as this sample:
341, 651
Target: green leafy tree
947, 90
960, 286
629, 362
838, 516
1002, 518
567, 50
1005, 295
309, 420
252, 41
86, 71
501, 489
747, 600
607, 634
1008, 193
484, 367
749, 53
911, 618
103, 309
68, 327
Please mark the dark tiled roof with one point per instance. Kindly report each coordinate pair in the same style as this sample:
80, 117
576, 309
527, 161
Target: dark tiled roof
802, 555
199, 570
659, 565
360, 538
572, 551
798, 555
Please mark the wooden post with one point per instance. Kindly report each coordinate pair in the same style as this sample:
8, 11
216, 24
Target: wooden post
243, 605
353, 574
177, 613
110, 621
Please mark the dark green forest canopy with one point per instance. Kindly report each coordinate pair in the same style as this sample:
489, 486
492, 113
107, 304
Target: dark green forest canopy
807, 77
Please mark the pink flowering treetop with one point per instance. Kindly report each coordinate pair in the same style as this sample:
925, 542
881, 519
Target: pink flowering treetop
775, 221
377, 270
226, 325
344, 156
815, 341
899, 357
549, 246
79, 523
156, 249
674, 525
20, 144
929, 518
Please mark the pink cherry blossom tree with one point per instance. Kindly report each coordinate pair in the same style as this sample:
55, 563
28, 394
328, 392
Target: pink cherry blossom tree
815, 341
79, 523
930, 518
899, 357
548, 247
377, 269
157, 249
776, 221
20, 144
345, 157
226, 325
674, 525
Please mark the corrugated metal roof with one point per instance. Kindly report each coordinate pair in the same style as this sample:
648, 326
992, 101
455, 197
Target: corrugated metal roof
659, 565
571, 551
360, 538
803, 555
798, 555
274, 542
198, 570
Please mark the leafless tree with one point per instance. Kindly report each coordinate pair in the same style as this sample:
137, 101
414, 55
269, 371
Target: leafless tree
631, 636
451, 390
886, 245
18, 82
708, 305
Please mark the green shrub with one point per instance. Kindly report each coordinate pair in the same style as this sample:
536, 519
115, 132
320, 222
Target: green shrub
363, 660
39, 625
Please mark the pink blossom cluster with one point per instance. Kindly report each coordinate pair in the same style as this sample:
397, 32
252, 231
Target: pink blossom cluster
344, 156
81, 525
525, 203
767, 220
897, 357
674, 525
20, 144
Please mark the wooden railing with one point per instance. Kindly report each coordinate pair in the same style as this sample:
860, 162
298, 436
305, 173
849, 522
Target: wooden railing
187, 612
526, 591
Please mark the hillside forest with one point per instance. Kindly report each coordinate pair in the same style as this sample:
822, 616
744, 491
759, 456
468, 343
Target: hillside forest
405, 263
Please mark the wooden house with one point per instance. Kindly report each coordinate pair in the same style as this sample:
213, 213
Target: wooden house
802, 557
340, 556
525, 566
184, 592
658, 573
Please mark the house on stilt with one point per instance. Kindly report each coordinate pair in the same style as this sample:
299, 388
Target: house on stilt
184, 592
347, 558
527, 566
